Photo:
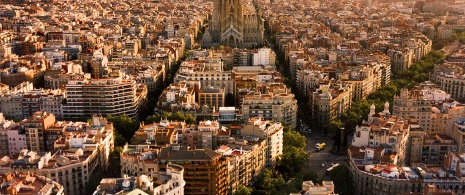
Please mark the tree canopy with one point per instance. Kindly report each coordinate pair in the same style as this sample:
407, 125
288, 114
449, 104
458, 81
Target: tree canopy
342, 180
124, 126
418, 72
177, 116
243, 190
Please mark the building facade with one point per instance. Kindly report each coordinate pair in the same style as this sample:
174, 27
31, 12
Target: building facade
118, 96
234, 23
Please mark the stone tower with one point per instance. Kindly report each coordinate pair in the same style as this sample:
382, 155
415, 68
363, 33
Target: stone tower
234, 23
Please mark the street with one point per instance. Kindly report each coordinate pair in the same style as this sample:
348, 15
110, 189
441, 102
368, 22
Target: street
316, 159
449, 49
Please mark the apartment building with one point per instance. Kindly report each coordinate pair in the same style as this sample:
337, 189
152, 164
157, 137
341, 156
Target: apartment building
458, 57
79, 156
112, 96
164, 132
35, 127
52, 102
432, 107
373, 172
401, 58
246, 160
308, 79
413, 104
211, 96
197, 70
208, 134
17, 75
444, 32
205, 171
59, 80
436, 147
457, 132
28, 183
150, 77
169, 182
308, 187
329, 101
18, 142
264, 56
269, 106
449, 77
178, 93
266, 130
5, 143
363, 80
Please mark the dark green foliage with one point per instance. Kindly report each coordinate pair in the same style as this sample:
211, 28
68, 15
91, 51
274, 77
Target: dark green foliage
342, 180
459, 35
243, 190
272, 182
124, 127
294, 139
93, 182
288, 175
177, 116
418, 72
294, 154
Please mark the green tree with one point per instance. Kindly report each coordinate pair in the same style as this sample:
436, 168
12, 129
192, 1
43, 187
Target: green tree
177, 116
292, 160
119, 140
294, 139
243, 190
294, 154
124, 125
342, 180
271, 182
334, 126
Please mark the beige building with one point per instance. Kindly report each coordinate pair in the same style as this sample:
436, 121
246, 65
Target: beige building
35, 130
205, 171
246, 160
413, 104
266, 130
330, 101
280, 107
199, 70
444, 32
115, 96
309, 188
211, 96
363, 80
164, 132
436, 147
81, 154
432, 107
178, 93
28, 183
449, 77
169, 182
208, 134
401, 58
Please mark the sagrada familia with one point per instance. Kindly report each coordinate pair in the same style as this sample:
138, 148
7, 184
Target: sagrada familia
234, 23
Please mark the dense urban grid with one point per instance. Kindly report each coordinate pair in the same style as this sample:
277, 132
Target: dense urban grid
223, 97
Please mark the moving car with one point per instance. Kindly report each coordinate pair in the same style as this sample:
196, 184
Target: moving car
320, 146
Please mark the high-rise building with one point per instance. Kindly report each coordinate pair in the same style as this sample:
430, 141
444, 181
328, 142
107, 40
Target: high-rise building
234, 23
105, 97
205, 171
266, 130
